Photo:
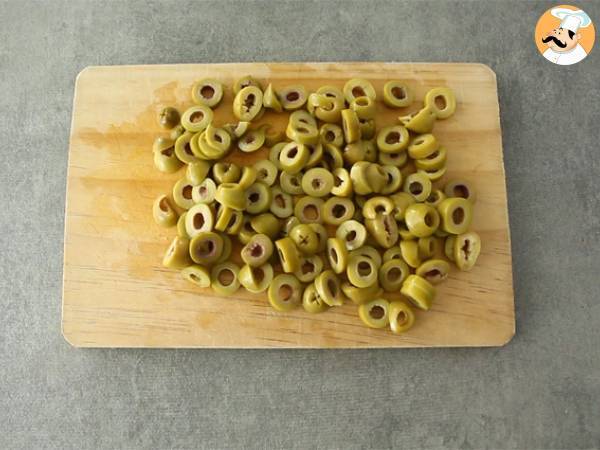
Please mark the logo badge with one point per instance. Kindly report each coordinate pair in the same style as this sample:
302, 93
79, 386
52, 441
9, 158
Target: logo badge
565, 35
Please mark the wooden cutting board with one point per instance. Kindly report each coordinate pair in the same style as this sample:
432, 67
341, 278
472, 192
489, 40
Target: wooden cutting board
117, 294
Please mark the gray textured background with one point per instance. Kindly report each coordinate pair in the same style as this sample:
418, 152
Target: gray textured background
542, 390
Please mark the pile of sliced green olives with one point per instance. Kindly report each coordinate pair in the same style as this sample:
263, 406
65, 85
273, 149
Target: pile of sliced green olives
342, 209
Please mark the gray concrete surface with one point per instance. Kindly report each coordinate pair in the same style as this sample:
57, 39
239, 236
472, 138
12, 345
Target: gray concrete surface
540, 391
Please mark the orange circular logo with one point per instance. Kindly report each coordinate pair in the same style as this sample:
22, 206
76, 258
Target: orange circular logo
565, 35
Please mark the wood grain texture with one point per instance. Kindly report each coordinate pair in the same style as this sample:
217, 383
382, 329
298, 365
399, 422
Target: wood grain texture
117, 294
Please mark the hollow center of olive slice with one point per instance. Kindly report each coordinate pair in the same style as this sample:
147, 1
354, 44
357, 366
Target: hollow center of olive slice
332, 287
358, 91
259, 275
337, 181
433, 197
338, 211
428, 219
401, 318
196, 116
285, 292
334, 255
364, 268
415, 188
398, 92
280, 201
206, 248
392, 138
292, 96
387, 226
202, 191
377, 312
458, 215
207, 91
311, 212
316, 183
433, 155
226, 277
249, 101
256, 250
218, 138
351, 236
308, 267
440, 102
461, 190
294, 181
187, 192
466, 248
292, 152
194, 277
394, 274
262, 174
329, 136
249, 139
253, 197
433, 273
168, 151
163, 204
198, 221
232, 221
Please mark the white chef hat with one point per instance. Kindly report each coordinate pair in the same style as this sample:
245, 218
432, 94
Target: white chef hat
571, 20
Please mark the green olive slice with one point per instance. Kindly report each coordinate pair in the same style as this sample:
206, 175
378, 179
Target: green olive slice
328, 287
198, 275
204, 192
293, 97
358, 87
208, 92
248, 103
182, 193
331, 134
285, 293
282, 204
397, 94
337, 255
392, 274
177, 255
401, 317
309, 209
352, 233
311, 301
310, 267
258, 251
224, 172
224, 278
375, 314
163, 213
317, 182
252, 140
199, 219
196, 118
258, 198
206, 247
256, 279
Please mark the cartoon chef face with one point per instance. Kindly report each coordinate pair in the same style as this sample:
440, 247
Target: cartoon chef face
561, 39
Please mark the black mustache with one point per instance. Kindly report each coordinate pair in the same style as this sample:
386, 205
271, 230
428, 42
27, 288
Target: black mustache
556, 41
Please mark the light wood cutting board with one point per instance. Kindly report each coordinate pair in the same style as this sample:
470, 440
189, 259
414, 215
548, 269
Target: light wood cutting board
117, 294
